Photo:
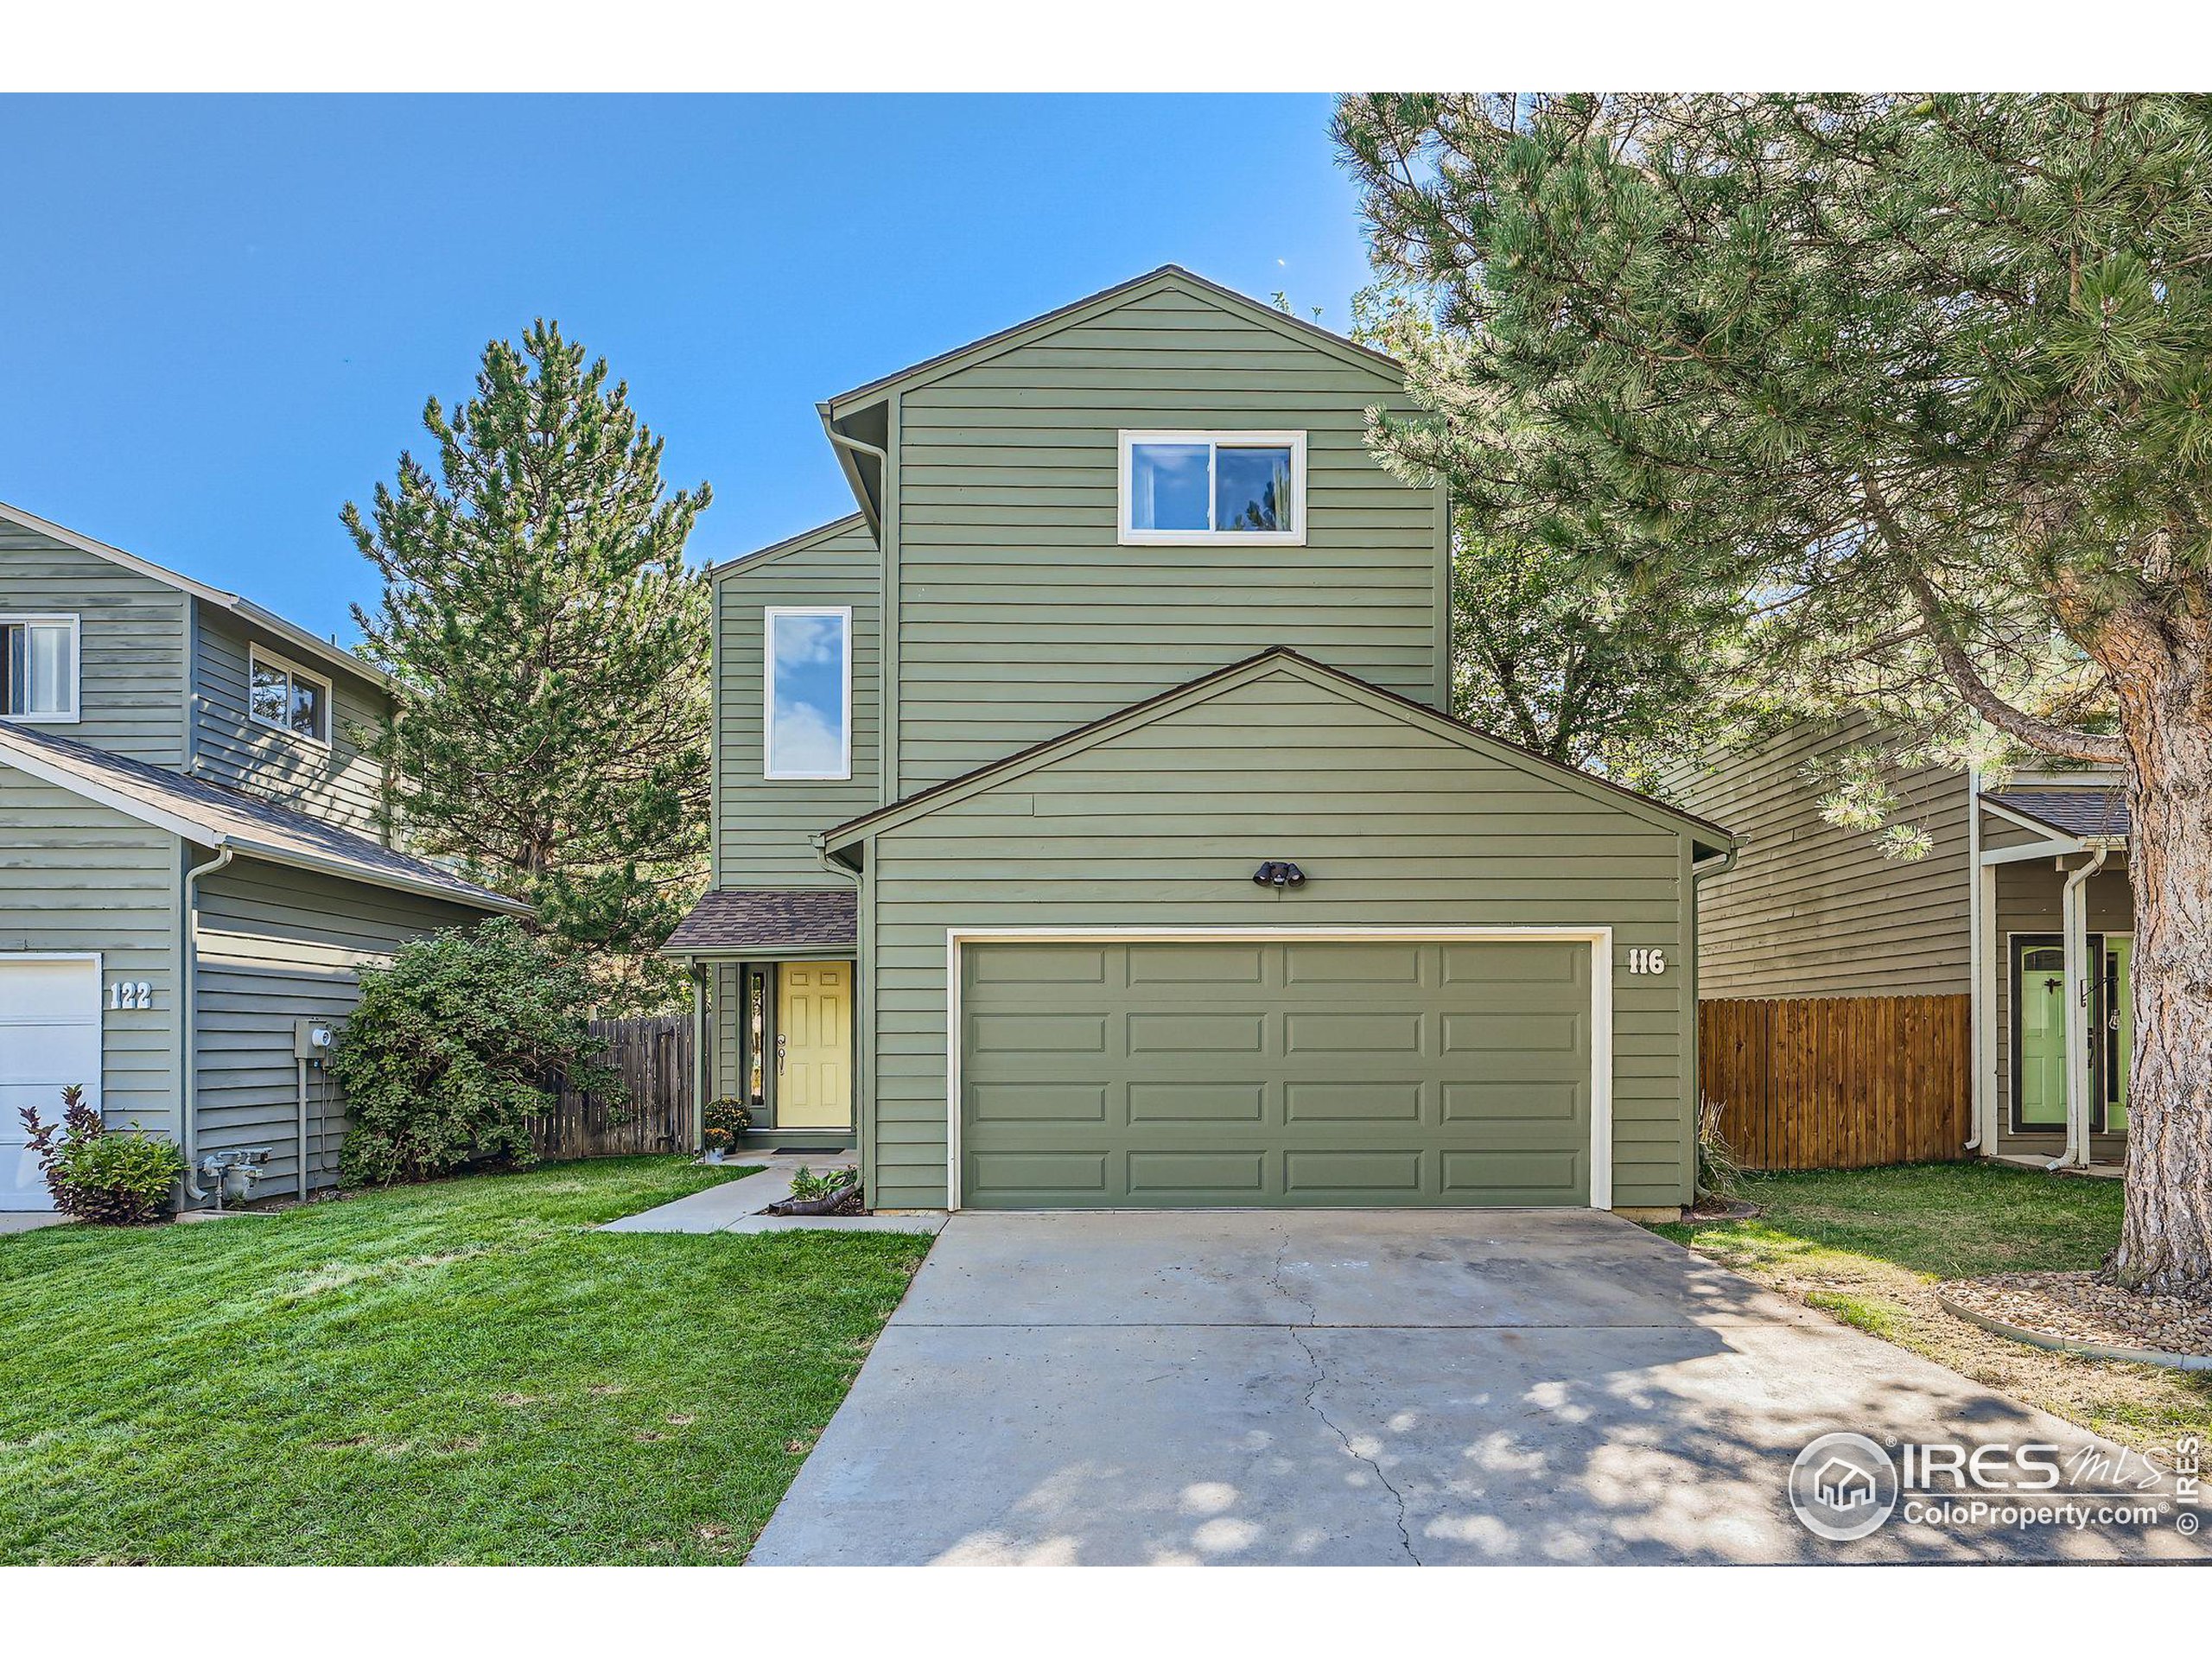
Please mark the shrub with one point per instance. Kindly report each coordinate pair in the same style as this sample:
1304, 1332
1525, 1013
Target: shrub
809, 1186
724, 1120
453, 1046
96, 1174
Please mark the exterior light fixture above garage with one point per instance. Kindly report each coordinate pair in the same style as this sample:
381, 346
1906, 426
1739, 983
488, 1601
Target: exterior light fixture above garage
1278, 873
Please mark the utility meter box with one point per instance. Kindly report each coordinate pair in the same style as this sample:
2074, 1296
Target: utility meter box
312, 1036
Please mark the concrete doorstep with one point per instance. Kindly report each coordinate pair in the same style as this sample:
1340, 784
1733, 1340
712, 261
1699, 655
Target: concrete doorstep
738, 1206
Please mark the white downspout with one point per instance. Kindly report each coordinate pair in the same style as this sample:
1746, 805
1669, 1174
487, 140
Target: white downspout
188, 1130
2074, 918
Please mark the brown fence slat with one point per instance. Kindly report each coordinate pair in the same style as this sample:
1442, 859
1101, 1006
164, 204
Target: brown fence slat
653, 1055
1837, 1082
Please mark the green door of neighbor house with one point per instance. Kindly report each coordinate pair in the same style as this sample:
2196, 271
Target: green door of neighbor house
1300, 1073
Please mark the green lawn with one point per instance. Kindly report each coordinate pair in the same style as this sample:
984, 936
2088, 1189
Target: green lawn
1868, 1246
460, 1372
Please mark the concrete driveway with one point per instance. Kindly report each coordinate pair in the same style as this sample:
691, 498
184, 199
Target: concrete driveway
1367, 1387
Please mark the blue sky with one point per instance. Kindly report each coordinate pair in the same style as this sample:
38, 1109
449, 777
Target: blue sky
219, 317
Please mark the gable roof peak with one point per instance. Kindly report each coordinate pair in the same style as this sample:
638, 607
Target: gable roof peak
1179, 277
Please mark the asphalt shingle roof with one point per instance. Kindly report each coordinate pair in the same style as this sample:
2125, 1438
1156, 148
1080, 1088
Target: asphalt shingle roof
215, 815
738, 918
2098, 812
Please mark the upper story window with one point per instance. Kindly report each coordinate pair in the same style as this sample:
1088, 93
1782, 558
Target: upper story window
1181, 489
808, 720
283, 698
38, 668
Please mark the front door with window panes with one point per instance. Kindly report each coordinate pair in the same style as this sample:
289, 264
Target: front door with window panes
2039, 1003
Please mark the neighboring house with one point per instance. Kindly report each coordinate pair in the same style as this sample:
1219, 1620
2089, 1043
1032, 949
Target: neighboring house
1090, 831
2022, 905
190, 863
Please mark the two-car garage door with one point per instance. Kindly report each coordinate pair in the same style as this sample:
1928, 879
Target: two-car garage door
1320, 1071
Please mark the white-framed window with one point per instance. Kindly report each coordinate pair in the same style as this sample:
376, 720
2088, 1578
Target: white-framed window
807, 691
1186, 489
38, 669
285, 698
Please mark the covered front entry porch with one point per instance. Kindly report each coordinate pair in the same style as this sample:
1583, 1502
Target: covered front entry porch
775, 982
2054, 1004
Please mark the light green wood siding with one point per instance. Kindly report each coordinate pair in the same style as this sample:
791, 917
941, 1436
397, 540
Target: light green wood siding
79, 877
335, 782
1812, 909
130, 642
275, 944
1163, 825
2030, 898
1018, 616
762, 825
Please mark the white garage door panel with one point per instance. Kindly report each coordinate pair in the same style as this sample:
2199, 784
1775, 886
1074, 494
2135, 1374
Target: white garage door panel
49, 1038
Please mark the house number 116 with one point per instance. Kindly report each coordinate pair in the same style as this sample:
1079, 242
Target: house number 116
1647, 960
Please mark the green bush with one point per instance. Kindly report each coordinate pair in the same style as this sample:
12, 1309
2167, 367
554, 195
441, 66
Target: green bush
96, 1174
453, 1046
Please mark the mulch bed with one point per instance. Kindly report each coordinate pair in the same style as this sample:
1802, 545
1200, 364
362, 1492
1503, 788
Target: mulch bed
2085, 1307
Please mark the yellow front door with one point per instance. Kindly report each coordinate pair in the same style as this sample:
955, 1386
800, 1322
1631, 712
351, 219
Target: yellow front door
814, 1045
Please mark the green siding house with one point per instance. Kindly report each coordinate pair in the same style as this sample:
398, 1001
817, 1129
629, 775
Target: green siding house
1090, 830
191, 869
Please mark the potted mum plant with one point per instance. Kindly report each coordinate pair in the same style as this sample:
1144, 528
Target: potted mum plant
724, 1120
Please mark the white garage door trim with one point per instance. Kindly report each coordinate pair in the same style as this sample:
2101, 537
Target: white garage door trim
98, 1022
1600, 939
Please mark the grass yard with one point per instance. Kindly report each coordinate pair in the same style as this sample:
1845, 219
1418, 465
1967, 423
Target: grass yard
460, 1372
1869, 1246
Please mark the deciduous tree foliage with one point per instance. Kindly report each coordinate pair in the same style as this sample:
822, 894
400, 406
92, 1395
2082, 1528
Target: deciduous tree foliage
1925, 381
550, 648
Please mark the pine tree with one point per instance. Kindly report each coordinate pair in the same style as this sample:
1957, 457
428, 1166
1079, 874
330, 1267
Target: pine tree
1925, 381
550, 645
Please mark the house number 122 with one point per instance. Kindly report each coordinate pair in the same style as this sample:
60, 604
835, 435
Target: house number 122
1647, 960
131, 993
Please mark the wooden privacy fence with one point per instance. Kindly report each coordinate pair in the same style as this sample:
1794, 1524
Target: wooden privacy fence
654, 1056
1838, 1081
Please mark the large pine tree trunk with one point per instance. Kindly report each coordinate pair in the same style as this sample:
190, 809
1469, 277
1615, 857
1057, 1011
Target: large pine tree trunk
2166, 1240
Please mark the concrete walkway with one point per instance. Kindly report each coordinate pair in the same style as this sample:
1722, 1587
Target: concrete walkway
28, 1221
736, 1206
1371, 1388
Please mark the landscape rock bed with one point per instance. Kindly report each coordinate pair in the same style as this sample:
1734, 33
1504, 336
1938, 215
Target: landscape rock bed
2087, 1312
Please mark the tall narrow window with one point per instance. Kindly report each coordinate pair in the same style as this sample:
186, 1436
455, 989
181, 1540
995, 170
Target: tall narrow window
1181, 489
808, 719
281, 697
38, 668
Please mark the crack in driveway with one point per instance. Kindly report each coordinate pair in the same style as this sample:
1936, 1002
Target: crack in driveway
1312, 1388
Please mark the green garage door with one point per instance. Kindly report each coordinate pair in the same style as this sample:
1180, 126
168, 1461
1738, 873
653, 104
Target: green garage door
1326, 1072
